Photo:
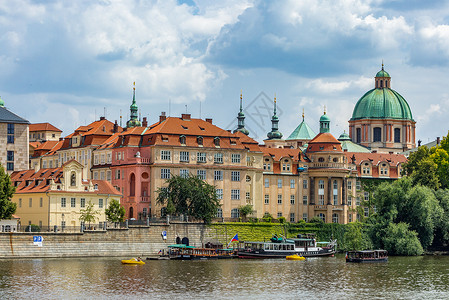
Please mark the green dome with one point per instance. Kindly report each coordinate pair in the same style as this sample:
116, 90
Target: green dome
382, 103
2, 103
344, 137
382, 73
325, 118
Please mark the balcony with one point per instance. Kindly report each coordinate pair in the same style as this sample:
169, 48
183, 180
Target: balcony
327, 165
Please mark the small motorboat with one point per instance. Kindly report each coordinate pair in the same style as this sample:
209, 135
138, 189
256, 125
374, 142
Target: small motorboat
295, 257
133, 261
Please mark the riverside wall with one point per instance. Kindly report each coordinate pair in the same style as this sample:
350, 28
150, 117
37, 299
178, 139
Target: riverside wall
133, 241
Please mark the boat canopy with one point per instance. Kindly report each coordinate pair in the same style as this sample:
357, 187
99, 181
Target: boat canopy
180, 246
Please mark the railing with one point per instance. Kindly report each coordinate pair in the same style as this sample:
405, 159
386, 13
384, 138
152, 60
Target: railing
328, 165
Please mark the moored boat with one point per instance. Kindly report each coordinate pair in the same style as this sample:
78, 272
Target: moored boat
133, 261
295, 257
281, 248
367, 256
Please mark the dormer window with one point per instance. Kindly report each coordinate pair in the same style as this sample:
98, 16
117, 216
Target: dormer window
182, 139
383, 169
335, 159
321, 148
199, 140
217, 142
366, 169
96, 187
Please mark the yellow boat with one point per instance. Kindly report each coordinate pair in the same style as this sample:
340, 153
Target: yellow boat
295, 257
133, 261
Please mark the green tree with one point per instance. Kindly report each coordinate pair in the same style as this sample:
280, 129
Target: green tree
399, 240
422, 168
245, 210
115, 212
7, 207
89, 214
191, 196
267, 217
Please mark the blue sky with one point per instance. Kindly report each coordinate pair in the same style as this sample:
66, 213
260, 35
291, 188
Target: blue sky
69, 62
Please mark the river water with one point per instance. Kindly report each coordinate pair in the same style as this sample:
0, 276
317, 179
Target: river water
425, 277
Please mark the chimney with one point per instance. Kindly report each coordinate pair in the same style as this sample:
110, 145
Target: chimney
115, 127
209, 120
144, 122
162, 117
185, 117
419, 143
438, 140
102, 118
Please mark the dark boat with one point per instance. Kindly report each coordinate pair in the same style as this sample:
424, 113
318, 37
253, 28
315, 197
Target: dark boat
366, 256
280, 248
183, 252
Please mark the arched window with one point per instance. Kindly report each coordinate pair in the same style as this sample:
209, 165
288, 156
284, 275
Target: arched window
377, 134
321, 159
182, 139
248, 178
235, 213
199, 140
132, 185
217, 142
131, 212
335, 159
322, 217
334, 218
73, 179
366, 169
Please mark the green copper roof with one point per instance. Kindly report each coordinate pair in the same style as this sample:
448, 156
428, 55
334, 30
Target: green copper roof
382, 73
344, 137
349, 146
382, 103
325, 118
2, 103
302, 132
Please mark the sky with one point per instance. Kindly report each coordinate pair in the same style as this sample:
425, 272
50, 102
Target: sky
70, 62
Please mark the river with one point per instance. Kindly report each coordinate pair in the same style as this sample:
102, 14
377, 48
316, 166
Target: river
425, 277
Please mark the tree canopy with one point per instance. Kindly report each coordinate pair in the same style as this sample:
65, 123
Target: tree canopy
7, 207
89, 214
115, 212
191, 196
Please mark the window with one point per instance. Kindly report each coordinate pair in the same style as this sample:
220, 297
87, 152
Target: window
384, 169
41, 202
366, 169
102, 161
219, 213
109, 157
201, 174
117, 174
184, 156
217, 142
357, 201
44, 164
10, 131
100, 203
30, 202
321, 185
377, 134
366, 211
304, 200
10, 166
358, 185
248, 178
279, 183
235, 194
235, 158
165, 155
279, 214
218, 158
358, 134
292, 183
182, 139
285, 167
349, 185
320, 199
248, 196
108, 175
83, 202
366, 196
63, 224
322, 217
292, 217
267, 182
200, 140
304, 184
218, 175
95, 159
334, 218
397, 135
267, 166
72, 202
267, 199
165, 173
349, 200
10, 155
184, 173
219, 193
321, 159
349, 218
304, 216
292, 199
279, 198
335, 192
201, 157
235, 213
235, 175
20, 202
63, 202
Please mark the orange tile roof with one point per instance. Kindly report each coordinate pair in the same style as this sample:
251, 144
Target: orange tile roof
278, 153
375, 158
324, 142
43, 127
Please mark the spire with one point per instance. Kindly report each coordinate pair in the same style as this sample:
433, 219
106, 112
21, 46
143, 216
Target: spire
241, 118
133, 120
303, 114
274, 133
2, 103
324, 122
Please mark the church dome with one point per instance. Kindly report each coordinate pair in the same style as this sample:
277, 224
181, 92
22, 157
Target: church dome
382, 102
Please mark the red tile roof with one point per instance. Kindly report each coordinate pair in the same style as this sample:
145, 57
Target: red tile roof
43, 127
375, 158
324, 142
278, 153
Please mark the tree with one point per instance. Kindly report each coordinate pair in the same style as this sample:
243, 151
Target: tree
89, 214
422, 168
399, 240
246, 210
7, 207
191, 196
115, 212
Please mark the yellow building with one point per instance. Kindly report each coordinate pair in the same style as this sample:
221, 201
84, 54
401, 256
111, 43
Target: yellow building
55, 197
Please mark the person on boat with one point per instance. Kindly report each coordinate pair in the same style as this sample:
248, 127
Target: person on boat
139, 259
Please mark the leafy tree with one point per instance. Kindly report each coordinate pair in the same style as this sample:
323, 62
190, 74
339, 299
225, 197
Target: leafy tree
246, 210
191, 196
267, 217
89, 214
422, 168
7, 207
399, 240
115, 212
316, 220
353, 236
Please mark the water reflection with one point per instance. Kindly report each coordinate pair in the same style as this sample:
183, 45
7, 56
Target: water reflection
404, 278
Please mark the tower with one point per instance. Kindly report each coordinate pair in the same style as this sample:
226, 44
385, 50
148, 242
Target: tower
241, 119
133, 120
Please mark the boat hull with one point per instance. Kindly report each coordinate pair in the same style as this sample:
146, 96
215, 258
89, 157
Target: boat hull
132, 262
283, 254
366, 260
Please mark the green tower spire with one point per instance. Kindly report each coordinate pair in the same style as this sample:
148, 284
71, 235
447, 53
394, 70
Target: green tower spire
241, 119
133, 121
2, 103
324, 122
274, 133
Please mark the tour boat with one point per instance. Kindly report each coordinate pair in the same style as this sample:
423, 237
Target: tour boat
133, 261
184, 252
367, 256
295, 257
281, 248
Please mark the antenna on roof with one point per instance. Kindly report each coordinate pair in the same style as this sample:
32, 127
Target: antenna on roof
169, 106
120, 118
104, 112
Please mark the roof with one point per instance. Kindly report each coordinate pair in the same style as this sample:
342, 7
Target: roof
375, 158
9, 117
324, 141
302, 132
428, 145
278, 153
43, 127
382, 73
349, 146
